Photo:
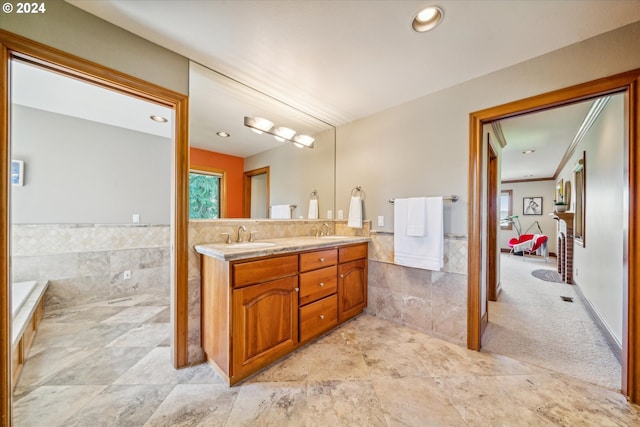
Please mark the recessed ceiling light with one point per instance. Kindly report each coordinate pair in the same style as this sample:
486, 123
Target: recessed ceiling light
158, 119
223, 134
427, 19
528, 151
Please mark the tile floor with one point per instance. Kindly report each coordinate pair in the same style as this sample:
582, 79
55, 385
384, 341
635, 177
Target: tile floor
108, 365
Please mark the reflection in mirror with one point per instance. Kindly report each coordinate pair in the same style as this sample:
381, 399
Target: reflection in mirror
220, 140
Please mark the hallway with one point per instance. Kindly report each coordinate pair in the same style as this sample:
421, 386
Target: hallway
531, 323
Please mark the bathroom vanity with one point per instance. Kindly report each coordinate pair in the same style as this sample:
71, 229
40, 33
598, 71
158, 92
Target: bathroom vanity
261, 301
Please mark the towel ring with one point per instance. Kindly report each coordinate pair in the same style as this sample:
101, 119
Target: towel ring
314, 195
358, 191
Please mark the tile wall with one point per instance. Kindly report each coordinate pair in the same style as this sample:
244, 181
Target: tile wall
434, 302
86, 262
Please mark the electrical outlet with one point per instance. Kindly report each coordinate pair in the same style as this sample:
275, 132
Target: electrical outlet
126, 275
381, 221
340, 214
136, 218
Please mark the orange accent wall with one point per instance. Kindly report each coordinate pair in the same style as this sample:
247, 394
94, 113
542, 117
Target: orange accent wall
234, 174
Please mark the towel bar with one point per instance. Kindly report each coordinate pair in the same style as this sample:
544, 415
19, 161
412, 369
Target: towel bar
452, 198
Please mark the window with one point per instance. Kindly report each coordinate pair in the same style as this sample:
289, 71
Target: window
506, 209
205, 194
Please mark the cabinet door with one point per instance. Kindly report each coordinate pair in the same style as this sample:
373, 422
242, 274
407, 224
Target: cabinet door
352, 289
265, 324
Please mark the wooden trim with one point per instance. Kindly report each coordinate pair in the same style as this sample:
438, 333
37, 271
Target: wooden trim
627, 81
247, 189
516, 181
474, 217
17, 47
223, 186
6, 395
492, 225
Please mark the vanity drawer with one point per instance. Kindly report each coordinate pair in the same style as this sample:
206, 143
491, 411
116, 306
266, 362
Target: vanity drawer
318, 259
318, 284
351, 253
318, 317
263, 270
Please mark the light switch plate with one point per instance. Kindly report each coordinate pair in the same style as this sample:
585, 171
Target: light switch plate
136, 218
381, 221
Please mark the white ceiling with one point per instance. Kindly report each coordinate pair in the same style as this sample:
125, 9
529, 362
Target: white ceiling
549, 133
343, 60
36, 87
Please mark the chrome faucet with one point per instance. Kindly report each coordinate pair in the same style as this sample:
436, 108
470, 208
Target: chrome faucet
240, 229
322, 228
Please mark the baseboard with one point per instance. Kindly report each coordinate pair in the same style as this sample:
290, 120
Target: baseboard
613, 343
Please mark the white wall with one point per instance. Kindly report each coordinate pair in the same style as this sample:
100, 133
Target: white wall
544, 189
598, 266
421, 147
295, 173
78, 171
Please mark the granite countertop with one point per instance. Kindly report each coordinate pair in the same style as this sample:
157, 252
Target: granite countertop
266, 247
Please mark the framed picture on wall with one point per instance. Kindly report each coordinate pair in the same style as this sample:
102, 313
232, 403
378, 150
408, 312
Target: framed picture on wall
532, 206
17, 173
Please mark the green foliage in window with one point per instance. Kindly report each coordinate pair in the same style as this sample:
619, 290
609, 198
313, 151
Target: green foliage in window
204, 196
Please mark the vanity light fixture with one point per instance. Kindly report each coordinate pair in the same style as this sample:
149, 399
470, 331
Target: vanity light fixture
223, 134
260, 125
427, 19
158, 119
283, 133
302, 141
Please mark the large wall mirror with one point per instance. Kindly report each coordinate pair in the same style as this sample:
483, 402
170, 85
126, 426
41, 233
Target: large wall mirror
218, 107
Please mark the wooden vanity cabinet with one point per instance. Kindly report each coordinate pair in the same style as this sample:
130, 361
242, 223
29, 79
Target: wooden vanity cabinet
318, 287
352, 281
254, 311
265, 324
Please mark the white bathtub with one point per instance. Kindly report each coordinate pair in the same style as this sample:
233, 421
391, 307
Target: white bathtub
19, 294
27, 307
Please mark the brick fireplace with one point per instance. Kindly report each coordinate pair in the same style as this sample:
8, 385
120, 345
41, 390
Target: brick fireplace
565, 246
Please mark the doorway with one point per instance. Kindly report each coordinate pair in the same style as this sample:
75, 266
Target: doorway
16, 47
624, 83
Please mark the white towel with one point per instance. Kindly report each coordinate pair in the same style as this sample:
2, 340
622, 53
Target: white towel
280, 212
425, 252
313, 209
416, 216
355, 212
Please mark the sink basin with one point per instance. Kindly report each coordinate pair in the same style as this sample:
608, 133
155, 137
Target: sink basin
334, 237
251, 245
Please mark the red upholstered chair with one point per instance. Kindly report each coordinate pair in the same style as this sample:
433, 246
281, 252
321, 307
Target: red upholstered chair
540, 240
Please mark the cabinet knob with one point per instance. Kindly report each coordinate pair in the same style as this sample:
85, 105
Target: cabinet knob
342, 276
297, 289
321, 284
322, 317
321, 259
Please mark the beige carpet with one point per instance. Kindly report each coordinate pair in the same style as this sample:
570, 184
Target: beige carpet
530, 322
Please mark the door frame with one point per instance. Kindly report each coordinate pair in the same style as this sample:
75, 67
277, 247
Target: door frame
13, 46
628, 83
247, 189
